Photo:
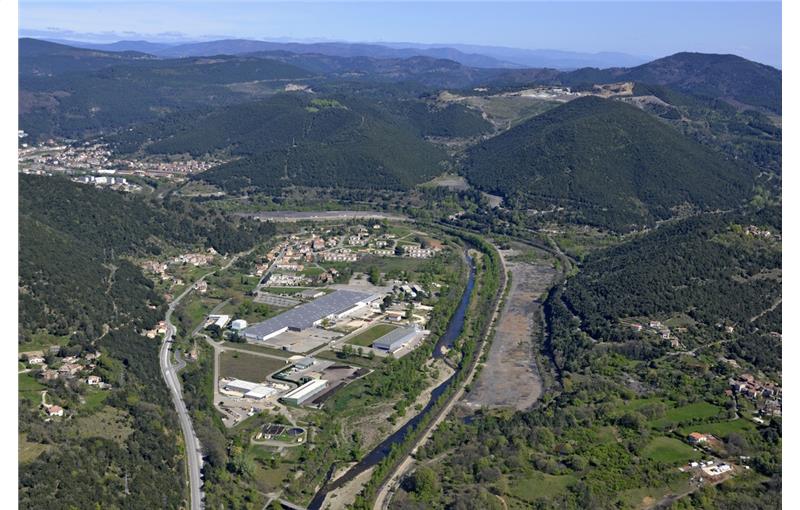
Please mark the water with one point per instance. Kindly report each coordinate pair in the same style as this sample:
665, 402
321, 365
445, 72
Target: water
457, 322
378, 453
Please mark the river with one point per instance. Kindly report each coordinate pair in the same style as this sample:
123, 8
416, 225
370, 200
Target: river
378, 453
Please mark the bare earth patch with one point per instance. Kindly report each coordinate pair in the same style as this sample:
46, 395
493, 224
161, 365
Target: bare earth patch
510, 377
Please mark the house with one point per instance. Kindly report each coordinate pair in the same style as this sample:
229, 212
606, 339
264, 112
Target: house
69, 369
697, 438
35, 360
93, 380
48, 375
54, 410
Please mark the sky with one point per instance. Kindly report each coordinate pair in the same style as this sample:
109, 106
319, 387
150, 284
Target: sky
643, 28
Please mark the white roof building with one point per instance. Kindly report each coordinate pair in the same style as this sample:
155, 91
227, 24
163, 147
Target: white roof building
219, 320
305, 392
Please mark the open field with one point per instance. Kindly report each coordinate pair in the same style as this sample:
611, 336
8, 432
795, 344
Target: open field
670, 451
42, 341
531, 487
383, 264
110, 423
257, 348
720, 428
510, 376
28, 384
244, 366
688, 413
95, 399
366, 338
509, 110
29, 451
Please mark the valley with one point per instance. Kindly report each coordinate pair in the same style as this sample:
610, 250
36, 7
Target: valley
291, 279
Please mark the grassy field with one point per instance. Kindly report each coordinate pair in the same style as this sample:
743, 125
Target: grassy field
29, 451
42, 341
688, 413
645, 497
720, 428
110, 423
258, 348
366, 338
247, 367
28, 384
532, 487
383, 264
95, 400
670, 450
289, 291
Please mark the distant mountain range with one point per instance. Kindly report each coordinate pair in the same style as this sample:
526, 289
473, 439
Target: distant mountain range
465, 54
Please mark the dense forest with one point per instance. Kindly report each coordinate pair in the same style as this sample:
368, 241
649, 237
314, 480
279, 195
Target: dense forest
700, 74
747, 135
74, 275
77, 281
612, 163
707, 267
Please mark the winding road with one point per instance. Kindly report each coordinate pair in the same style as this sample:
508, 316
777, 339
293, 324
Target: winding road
194, 452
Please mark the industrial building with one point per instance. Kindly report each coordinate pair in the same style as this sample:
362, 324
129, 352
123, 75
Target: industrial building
218, 320
304, 363
305, 392
335, 305
395, 339
246, 389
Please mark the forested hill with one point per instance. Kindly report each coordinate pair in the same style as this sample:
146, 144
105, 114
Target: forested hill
610, 163
76, 282
73, 237
715, 270
727, 77
298, 139
97, 95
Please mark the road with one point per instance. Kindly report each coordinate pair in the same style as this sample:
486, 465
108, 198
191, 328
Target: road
194, 455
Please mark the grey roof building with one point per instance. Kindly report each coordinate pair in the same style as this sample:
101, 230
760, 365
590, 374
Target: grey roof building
396, 339
334, 305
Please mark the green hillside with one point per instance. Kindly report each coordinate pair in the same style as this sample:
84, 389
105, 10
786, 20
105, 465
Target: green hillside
728, 77
746, 135
707, 267
297, 139
105, 97
609, 163
72, 247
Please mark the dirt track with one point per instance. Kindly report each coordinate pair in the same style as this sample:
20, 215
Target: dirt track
510, 377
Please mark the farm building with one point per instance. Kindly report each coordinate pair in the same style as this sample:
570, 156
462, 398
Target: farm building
238, 324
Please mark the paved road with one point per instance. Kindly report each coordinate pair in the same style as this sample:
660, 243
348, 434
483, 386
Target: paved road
194, 456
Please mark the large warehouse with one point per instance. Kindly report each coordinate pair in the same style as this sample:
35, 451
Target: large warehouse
335, 305
395, 339
305, 392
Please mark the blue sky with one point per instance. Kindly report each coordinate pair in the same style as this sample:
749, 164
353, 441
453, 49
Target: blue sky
645, 28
